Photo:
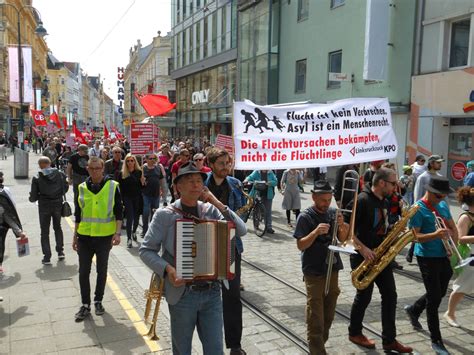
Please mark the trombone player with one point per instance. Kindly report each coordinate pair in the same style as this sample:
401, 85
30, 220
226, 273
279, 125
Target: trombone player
313, 235
432, 256
371, 227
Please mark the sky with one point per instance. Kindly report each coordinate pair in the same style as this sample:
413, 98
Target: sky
99, 33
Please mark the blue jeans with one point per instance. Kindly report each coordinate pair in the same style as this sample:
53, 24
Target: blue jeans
201, 309
149, 203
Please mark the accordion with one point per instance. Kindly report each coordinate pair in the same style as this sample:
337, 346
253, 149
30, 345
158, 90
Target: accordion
205, 251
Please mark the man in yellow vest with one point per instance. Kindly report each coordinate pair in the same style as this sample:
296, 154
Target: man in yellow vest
98, 225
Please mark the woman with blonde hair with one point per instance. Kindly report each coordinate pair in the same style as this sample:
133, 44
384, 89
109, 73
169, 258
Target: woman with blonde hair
464, 283
131, 181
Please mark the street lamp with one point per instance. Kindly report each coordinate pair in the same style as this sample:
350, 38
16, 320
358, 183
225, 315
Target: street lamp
40, 31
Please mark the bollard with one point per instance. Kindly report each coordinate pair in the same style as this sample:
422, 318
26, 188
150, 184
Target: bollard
20, 164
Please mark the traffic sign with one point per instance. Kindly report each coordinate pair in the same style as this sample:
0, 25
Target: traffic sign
458, 171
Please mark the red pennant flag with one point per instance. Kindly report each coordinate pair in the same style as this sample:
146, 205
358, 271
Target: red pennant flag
117, 133
106, 131
55, 118
155, 105
64, 122
79, 137
38, 117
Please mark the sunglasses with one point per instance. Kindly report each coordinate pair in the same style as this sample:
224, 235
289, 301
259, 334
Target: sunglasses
198, 159
131, 161
151, 158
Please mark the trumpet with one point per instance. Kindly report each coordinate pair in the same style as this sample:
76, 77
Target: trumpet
348, 246
450, 245
154, 292
352, 177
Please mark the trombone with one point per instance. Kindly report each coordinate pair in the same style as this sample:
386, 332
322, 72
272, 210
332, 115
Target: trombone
450, 245
154, 292
352, 177
348, 246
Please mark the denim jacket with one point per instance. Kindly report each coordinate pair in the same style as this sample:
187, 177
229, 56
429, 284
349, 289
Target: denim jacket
236, 200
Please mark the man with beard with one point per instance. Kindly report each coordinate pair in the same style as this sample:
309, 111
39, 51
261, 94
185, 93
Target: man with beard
228, 190
434, 166
371, 227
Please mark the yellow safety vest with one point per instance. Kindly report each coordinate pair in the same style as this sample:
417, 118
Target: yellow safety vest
97, 210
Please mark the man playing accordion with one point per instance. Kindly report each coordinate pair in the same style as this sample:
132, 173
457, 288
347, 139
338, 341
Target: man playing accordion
195, 303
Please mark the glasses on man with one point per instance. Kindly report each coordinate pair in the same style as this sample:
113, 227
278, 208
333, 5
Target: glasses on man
394, 183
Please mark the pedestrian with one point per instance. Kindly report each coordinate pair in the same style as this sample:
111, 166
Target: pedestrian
408, 182
370, 172
433, 168
77, 169
195, 304
419, 166
48, 188
95, 150
290, 181
349, 184
184, 157
228, 190
165, 155
153, 188
97, 229
269, 177
8, 219
3, 146
313, 235
432, 257
113, 167
464, 283
198, 160
51, 153
371, 227
131, 181
469, 178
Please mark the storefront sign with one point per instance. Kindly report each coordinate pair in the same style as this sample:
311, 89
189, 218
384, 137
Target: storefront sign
346, 131
199, 97
458, 171
121, 90
225, 142
142, 136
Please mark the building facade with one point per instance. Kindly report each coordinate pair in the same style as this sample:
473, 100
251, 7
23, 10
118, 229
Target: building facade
9, 111
148, 71
204, 66
442, 115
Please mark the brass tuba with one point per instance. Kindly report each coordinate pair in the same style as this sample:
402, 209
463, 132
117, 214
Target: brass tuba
395, 241
154, 292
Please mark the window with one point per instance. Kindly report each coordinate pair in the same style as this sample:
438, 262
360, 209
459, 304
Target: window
459, 48
337, 3
300, 82
303, 7
335, 64
172, 96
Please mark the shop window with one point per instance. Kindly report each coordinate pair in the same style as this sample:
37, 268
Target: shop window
335, 64
172, 96
300, 82
337, 3
303, 9
459, 48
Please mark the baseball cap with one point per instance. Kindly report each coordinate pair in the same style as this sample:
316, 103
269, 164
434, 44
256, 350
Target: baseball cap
437, 158
470, 164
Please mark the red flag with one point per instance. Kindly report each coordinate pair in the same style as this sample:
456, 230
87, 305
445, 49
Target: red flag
64, 122
79, 137
38, 117
155, 105
37, 131
117, 133
106, 131
55, 118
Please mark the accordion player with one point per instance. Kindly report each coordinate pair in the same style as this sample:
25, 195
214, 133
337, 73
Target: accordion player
205, 250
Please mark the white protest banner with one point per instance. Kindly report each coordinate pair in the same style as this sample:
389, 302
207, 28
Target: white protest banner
141, 138
344, 132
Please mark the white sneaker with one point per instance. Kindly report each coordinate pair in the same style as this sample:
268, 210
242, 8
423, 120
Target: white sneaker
451, 321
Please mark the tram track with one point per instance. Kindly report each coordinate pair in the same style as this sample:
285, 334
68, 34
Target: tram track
298, 290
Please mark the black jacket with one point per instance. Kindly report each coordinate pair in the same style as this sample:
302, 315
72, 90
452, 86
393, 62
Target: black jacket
48, 185
8, 215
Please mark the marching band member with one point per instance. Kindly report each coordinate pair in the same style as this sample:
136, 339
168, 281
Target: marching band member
197, 304
464, 283
313, 235
371, 224
432, 256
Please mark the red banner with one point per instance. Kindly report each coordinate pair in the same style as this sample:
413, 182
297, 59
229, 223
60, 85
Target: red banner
141, 138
